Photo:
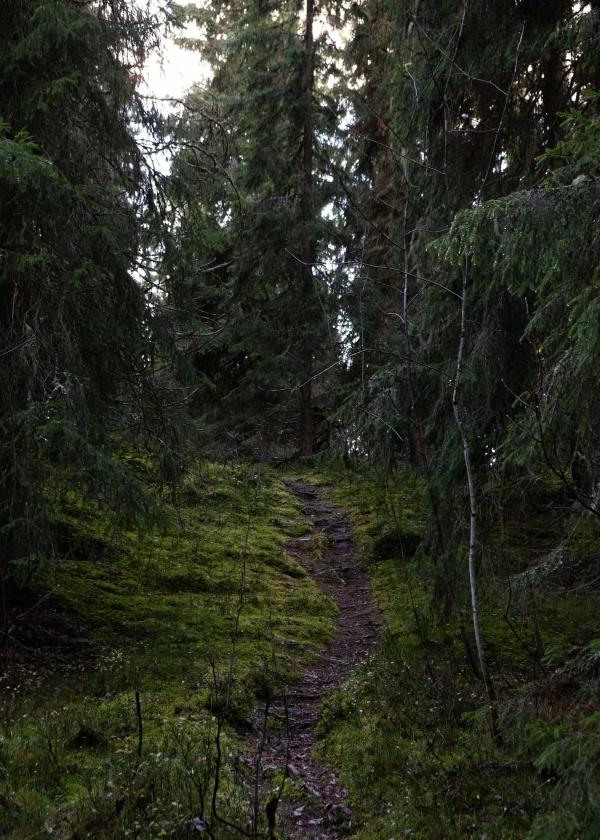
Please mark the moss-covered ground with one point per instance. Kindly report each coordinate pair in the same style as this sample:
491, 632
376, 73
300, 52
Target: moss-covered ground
410, 733
202, 607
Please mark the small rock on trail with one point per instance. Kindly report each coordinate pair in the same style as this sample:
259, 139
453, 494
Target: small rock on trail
326, 814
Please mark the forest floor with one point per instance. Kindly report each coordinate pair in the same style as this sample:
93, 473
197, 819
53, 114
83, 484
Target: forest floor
255, 580
158, 610
325, 813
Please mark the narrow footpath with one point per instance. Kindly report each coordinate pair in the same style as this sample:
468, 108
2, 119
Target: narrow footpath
325, 814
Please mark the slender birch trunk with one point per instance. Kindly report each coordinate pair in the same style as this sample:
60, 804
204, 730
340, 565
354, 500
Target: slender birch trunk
472, 555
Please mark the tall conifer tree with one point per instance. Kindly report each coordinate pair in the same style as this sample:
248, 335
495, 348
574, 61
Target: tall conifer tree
75, 323
268, 94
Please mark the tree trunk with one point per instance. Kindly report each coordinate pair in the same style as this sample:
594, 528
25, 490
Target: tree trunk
308, 241
472, 553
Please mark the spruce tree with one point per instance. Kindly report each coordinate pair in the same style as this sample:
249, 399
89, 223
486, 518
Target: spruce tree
457, 103
76, 210
275, 310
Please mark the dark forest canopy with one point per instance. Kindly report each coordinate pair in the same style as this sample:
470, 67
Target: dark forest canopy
371, 236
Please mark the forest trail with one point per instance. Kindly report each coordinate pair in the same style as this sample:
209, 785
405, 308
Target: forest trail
325, 814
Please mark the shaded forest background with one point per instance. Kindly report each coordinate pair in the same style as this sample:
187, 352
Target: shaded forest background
365, 248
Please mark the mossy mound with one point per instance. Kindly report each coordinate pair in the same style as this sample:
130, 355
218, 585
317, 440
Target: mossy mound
206, 592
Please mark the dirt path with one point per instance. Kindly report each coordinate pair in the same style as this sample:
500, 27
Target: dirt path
326, 814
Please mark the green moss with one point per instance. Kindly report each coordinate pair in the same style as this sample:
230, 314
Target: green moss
160, 607
179, 583
409, 734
